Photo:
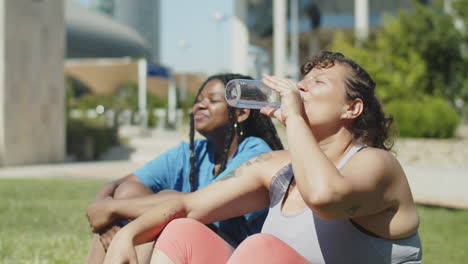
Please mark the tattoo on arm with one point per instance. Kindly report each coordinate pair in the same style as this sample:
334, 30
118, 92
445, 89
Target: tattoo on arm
236, 172
263, 157
353, 210
232, 174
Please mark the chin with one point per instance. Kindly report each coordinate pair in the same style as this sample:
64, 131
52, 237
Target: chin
201, 131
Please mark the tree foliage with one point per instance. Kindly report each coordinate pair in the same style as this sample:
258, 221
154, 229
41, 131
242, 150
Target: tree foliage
416, 59
430, 33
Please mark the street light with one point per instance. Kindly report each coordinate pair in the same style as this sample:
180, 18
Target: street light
218, 17
182, 44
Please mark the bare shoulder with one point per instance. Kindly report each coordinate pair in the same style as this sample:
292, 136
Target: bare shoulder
374, 163
380, 156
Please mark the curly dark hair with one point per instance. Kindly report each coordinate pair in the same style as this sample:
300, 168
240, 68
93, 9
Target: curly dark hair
256, 125
372, 127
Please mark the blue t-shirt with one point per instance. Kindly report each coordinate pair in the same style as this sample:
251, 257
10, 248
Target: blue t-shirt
171, 170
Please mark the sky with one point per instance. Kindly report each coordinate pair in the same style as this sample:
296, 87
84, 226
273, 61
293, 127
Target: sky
192, 40
204, 39
83, 2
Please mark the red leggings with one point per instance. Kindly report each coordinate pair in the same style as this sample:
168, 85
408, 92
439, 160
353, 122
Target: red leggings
188, 241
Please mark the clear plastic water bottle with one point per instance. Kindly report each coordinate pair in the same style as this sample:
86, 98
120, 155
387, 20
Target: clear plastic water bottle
244, 93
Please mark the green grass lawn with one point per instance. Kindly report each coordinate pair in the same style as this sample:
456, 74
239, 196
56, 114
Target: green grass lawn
43, 221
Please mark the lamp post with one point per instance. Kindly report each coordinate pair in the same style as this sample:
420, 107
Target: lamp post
361, 20
218, 17
183, 45
279, 37
458, 23
294, 46
142, 79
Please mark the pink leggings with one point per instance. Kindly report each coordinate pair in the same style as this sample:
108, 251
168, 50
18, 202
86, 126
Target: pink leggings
188, 241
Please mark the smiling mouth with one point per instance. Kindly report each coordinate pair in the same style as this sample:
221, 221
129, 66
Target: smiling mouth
199, 116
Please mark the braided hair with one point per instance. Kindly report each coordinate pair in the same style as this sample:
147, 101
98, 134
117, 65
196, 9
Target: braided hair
257, 125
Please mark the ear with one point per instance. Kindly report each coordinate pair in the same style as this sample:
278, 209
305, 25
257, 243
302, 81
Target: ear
353, 109
242, 114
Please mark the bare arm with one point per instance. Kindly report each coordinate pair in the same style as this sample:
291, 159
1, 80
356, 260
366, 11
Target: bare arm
242, 191
107, 190
361, 188
102, 212
98, 212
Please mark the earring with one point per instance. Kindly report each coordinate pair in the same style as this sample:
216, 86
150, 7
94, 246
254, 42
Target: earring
241, 133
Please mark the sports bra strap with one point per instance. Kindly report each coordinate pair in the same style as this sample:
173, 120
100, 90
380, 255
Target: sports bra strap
351, 152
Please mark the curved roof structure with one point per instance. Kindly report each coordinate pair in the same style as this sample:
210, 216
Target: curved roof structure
91, 34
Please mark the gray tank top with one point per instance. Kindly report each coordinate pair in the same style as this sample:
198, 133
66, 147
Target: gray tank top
336, 241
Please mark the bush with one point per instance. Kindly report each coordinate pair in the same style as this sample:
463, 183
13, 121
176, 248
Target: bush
431, 117
397, 77
88, 139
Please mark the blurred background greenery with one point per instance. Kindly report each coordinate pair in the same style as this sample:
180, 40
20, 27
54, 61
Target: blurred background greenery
90, 136
418, 58
419, 62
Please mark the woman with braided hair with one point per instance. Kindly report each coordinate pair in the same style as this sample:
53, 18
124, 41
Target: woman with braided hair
233, 136
249, 123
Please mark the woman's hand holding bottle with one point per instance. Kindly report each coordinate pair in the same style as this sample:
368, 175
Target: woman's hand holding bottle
291, 99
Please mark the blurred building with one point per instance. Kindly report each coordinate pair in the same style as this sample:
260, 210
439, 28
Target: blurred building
104, 6
317, 22
140, 15
330, 14
32, 94
92, 34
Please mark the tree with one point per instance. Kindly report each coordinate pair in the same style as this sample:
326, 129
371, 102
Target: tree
397, 77
430, 33
417, 63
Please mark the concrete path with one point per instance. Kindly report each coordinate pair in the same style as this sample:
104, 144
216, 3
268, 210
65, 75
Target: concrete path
92, 170
440, 186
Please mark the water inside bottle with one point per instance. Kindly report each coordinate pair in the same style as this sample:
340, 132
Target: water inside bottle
252, 104
232, 93
250, 94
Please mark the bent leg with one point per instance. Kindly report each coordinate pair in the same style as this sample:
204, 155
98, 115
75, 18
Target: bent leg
131, 189
144, 252
96, 251
128, 189
189, 241
265, 248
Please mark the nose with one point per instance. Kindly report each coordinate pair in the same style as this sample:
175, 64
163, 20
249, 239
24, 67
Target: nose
201, 104
300, 85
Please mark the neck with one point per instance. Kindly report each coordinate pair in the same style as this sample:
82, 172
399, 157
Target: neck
336, 145
219, 148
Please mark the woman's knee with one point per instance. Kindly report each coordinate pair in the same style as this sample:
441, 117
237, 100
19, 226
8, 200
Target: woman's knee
265, 248
131, 189
183, 225
186, 240
185, 229
260, 240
